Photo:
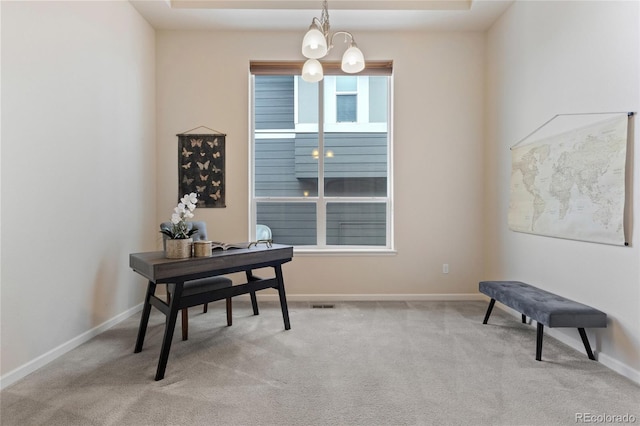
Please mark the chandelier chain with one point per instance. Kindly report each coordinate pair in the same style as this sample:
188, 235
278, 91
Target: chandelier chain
324, 18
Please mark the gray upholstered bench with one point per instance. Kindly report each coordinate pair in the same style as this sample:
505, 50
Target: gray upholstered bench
545, 308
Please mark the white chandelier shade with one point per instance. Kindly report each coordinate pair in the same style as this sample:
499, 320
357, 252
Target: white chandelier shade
317, 43
314, 45
312, 71
352, 60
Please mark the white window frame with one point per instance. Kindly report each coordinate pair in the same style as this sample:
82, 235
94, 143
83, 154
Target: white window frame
321, 200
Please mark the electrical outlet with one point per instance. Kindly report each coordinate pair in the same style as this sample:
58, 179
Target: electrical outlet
445, 268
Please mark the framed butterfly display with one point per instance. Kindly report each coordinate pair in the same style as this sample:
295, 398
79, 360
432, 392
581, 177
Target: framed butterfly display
201, 167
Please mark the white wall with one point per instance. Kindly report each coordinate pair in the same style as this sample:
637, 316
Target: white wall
78, 171
546, 58
438, 120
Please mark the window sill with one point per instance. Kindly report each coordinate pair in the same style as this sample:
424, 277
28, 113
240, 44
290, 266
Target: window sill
299, 251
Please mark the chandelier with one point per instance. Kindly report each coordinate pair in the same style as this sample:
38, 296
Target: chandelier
318, 42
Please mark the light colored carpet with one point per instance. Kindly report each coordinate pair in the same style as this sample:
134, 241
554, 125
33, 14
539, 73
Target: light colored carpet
361, 363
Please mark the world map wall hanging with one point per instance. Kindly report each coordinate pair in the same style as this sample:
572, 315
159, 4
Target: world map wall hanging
569, 180
201, 158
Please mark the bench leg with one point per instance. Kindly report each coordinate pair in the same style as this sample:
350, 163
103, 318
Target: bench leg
489, 309
524, 319
539, 342
585, 341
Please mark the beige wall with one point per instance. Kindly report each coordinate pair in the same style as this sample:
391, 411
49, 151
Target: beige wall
546, 58
79, 131
78, 172
438, 133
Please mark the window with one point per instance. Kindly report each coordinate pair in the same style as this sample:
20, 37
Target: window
346, 99
321, 160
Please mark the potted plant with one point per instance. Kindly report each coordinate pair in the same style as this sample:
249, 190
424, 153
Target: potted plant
179, 242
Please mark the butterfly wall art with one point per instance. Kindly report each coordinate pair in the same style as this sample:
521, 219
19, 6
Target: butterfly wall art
201, 167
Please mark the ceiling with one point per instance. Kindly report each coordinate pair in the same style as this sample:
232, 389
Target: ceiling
351, 15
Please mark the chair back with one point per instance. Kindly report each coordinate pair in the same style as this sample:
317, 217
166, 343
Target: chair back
198, 225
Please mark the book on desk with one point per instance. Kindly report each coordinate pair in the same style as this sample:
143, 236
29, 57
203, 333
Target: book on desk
226, 246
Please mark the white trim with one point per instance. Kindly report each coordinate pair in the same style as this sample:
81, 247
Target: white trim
350, 251
368, 297
274, 135
619, 367
355, 127
251, 226
575, 343
337, 128
13, 376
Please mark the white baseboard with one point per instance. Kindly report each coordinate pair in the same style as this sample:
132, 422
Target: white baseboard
576, 343
619, 367
367, 297
28, 368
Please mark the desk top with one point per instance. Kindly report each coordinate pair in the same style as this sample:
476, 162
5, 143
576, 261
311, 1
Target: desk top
157, 268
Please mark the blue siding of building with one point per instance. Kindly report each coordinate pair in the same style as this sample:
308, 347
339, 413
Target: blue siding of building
356, 224
290, 223
355, 155
274, 102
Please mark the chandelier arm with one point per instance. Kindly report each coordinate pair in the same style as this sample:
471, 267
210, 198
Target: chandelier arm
353, 40
317, 22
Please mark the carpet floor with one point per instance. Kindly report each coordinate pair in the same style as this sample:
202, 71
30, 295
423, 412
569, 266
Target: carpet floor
359, 363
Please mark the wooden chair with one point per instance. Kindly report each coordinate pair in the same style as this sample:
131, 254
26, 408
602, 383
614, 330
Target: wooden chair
201, 285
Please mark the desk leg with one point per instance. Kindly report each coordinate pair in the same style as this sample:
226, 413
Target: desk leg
283, 297
170, 325
144, 319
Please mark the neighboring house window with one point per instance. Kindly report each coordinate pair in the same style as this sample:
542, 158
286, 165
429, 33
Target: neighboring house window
321, 175
346, 99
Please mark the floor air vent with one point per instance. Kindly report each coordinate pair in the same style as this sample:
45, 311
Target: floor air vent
323, 306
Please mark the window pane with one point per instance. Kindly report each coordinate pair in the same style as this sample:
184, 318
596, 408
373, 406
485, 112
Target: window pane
289, 149
281, 172
290, 223
274, 104
355, 164
356, 224
378, 99
307, 102
355, 161
346, 108
283, 159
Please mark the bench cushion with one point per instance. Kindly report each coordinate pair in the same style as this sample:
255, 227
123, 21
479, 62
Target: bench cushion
544, 307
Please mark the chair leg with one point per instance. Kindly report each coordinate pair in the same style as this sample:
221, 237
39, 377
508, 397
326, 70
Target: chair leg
185, 324
206, 307
229, 311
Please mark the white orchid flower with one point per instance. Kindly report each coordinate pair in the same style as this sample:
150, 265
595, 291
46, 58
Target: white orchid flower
184, 210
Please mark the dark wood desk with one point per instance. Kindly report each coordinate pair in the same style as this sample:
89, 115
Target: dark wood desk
160, 270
